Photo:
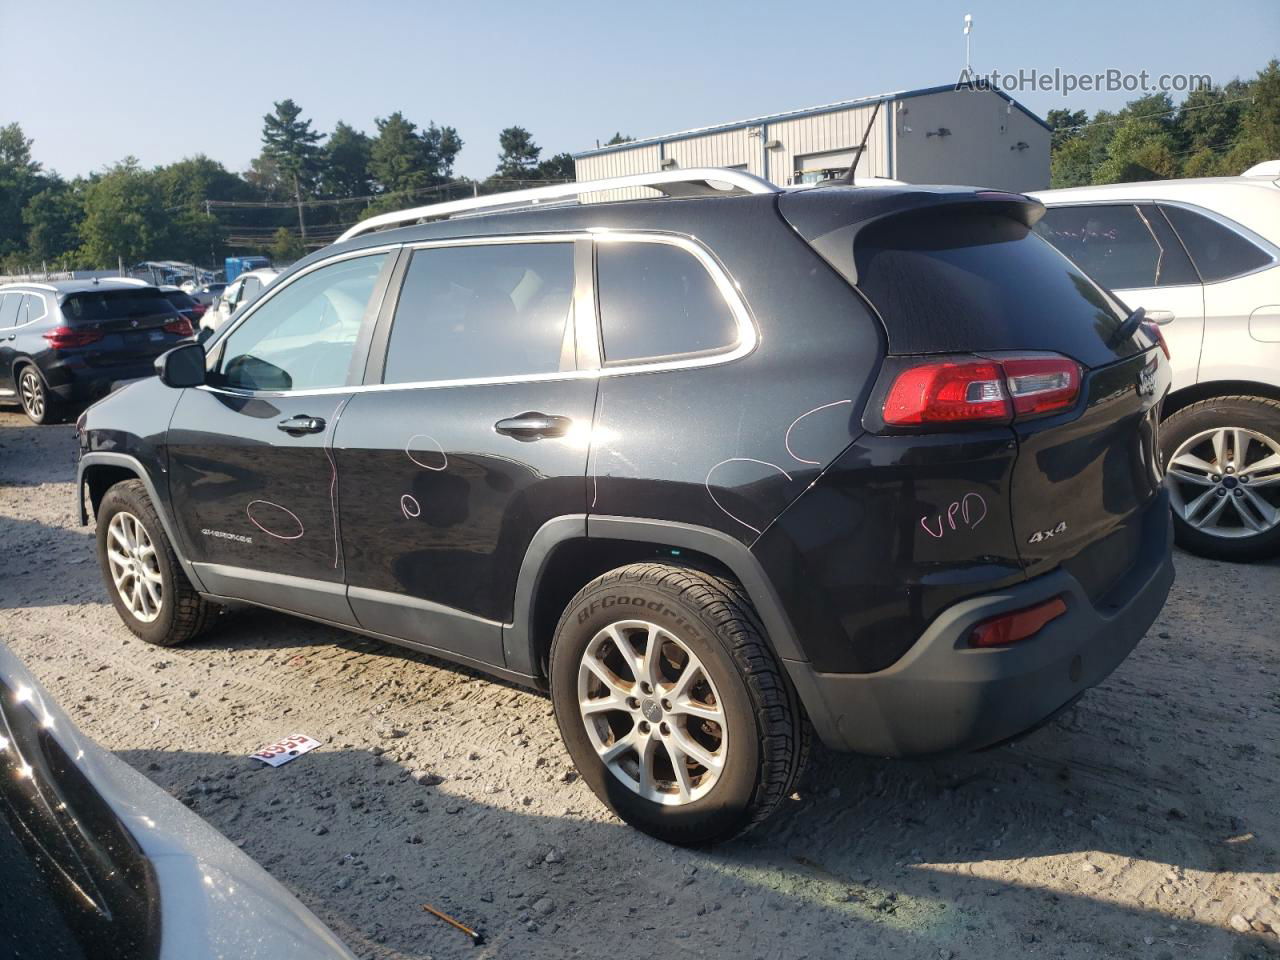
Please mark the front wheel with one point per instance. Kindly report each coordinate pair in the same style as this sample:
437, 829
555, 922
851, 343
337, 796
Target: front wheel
1222, 464
144, 579
672, 705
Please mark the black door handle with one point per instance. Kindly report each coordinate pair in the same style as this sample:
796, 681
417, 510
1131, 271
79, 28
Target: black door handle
533, 426
296, 426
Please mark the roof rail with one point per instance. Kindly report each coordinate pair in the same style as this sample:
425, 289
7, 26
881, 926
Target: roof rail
694, 182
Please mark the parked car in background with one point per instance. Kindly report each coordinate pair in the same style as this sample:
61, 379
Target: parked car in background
102, 863
1203, 258
711, 467
70, 340
206, 293
185, 304
244, 289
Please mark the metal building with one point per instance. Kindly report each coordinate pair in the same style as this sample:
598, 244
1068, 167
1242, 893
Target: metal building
933, 135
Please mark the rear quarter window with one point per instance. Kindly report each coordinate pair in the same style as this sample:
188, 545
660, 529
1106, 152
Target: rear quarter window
657, 300
1219, 252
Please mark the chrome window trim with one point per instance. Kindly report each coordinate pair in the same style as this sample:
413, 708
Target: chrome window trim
748, 336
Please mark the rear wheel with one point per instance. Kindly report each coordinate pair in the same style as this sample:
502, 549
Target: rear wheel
38, 403
1222, 461
144, 579
671, 704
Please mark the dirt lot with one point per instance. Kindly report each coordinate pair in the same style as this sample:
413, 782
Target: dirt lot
1142, 823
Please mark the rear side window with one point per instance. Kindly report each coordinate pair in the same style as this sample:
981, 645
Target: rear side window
964, 282
657, 300
114, 304
36, 309
1219, 251
9, 303
1122, 246
179, 299
485, 311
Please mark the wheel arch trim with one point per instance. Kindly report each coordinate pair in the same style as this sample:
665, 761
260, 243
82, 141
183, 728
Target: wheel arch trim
134, 465
520, 645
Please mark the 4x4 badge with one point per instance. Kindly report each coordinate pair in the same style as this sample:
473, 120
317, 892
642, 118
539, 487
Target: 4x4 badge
1147, 382
1041, 535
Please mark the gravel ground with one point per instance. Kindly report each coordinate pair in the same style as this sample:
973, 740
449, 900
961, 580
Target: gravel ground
1145, 822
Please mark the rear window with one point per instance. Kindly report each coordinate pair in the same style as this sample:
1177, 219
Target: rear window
963, 282
113, 304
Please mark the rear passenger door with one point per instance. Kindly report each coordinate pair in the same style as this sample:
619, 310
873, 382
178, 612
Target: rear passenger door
1131, 249
471, 432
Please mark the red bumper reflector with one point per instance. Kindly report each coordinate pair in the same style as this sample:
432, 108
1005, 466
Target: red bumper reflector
1016, 625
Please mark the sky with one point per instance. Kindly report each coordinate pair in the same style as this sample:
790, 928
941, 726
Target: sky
97, 82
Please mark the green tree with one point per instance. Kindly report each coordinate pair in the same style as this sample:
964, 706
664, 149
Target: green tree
344, 168
286, 247
1065, 125
289, 141
52, 220
618, 138
397, 158
557, 167
519, 156
19, 181
1208, 119
124, 217
441, 147
1260, 124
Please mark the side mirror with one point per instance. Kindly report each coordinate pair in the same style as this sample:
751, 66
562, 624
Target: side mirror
182, 366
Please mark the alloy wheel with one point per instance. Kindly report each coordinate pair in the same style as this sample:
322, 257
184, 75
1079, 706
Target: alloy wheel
135, 568
1225, 482
652, 712
32, 391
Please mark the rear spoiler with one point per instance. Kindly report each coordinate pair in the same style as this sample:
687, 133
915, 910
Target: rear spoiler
830, 218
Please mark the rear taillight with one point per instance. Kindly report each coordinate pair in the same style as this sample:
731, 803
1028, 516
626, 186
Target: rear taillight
1017, 625
64, 338
944, 392
198, 309
182, 327
957, 391
1155, 333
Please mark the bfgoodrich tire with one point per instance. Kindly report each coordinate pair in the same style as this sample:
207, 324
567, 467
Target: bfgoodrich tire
1222, 465
143, 577
671, 704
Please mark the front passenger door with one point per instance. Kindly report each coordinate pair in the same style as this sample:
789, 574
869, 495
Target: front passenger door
252, 479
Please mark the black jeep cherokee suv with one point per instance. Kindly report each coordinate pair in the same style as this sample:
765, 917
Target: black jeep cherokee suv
712, 468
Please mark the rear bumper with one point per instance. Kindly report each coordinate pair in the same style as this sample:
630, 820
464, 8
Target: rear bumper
84, 383
944, 696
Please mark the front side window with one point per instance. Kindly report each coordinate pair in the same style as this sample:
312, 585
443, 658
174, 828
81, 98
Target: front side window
1117, 245
482, 312
657, 300
303, 337
1219, 251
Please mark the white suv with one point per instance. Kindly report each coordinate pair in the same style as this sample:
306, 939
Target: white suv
1203, 258
240, 291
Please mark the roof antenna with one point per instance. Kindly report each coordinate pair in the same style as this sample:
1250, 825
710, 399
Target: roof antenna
847, 179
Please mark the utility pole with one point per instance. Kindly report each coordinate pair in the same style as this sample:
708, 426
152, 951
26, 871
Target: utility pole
968, 29
297, 195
